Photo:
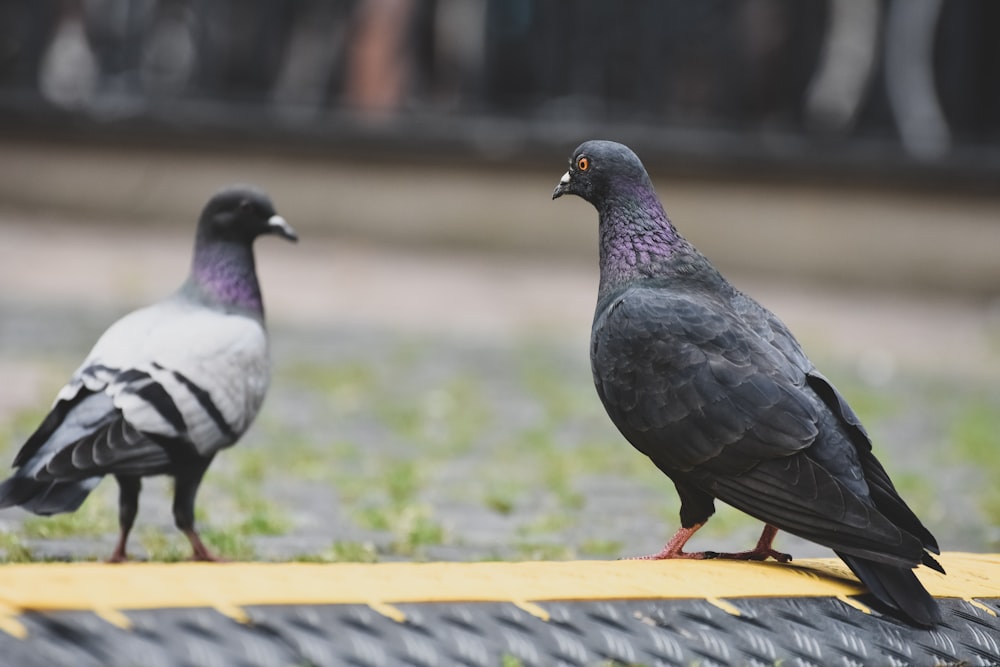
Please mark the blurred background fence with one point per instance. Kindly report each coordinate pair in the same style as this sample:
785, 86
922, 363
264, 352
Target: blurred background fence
904, 87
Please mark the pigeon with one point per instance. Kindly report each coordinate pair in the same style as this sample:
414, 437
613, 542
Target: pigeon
717, 392
165, 387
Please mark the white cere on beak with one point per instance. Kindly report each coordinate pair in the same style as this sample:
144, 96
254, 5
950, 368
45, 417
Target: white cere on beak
285, 229
564, 180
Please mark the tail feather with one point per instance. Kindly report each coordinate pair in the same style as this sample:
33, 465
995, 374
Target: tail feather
932, 563
17, 490
897, 587
42, 497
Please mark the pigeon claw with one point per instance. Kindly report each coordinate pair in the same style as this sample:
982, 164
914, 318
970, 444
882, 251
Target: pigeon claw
199, 552
756, 555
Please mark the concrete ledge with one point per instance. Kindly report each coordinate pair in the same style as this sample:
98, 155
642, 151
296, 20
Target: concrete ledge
79, 586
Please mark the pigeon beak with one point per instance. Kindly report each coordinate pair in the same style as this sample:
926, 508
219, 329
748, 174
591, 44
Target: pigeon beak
277, 225
561, 189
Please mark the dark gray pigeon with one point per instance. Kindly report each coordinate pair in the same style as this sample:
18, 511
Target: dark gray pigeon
714, 389
167, 386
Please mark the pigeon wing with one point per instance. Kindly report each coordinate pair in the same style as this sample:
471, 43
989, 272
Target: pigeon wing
883, 492
197, 374
714, 404
170, 380
688, 383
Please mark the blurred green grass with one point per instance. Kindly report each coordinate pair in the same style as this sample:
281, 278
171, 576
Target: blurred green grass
376, 446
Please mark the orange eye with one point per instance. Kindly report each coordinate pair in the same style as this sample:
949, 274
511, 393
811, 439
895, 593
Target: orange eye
583, 164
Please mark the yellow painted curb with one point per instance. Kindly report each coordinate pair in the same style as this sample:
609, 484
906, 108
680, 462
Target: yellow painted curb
106, 588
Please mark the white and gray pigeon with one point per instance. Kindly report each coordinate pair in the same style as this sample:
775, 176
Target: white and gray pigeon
167, 386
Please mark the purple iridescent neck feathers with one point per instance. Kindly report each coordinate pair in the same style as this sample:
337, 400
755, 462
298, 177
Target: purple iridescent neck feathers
223, 275
637, 239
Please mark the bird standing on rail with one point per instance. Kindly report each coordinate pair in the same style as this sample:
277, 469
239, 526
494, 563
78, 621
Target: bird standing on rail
715, 390
167, 386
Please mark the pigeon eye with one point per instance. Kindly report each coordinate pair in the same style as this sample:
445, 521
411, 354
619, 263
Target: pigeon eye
583, 164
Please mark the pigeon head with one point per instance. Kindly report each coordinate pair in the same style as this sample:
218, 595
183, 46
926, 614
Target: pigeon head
637, 240
603, 170
223, 273
242, 213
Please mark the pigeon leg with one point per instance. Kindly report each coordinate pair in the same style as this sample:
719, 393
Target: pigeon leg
762, 551
128, 507
675, 547
186, 485
199, 551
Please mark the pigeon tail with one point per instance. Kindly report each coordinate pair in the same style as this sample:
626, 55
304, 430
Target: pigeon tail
897, 587
45, 498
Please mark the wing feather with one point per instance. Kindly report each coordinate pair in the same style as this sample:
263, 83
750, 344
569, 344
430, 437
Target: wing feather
724, 399
687, 383
174, 376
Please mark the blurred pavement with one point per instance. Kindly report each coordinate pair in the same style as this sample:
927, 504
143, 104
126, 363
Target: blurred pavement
830, 233
912, 278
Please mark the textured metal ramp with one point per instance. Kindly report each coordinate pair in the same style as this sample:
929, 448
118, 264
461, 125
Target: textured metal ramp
768, 631
494, 614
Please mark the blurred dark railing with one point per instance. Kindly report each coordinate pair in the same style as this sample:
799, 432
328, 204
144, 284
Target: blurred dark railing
864, 85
